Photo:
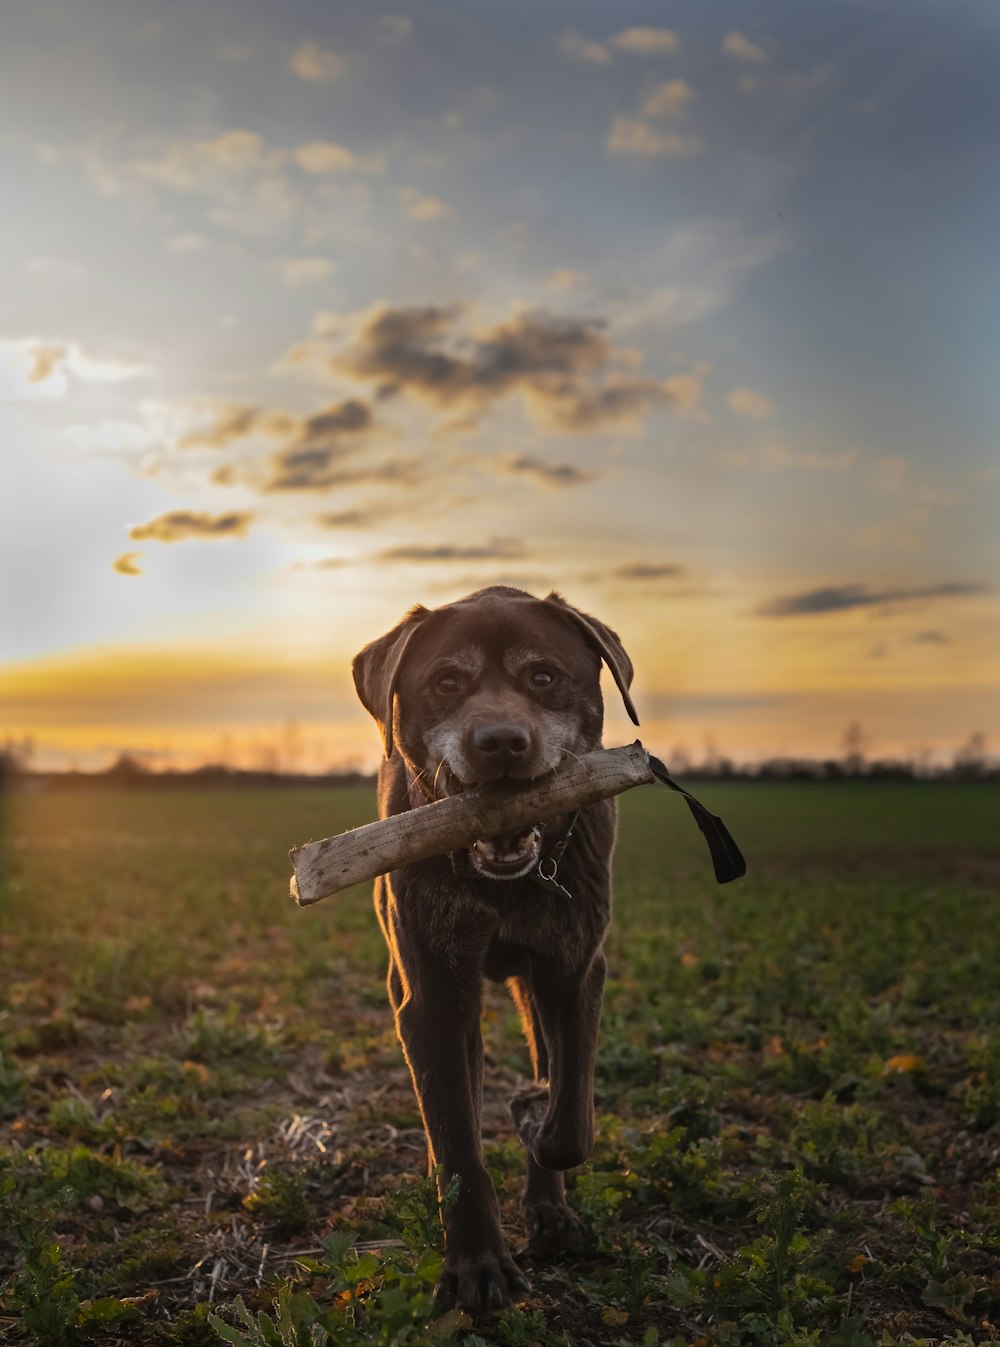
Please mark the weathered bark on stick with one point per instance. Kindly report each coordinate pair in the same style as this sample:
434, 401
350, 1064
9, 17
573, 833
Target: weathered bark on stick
489, 810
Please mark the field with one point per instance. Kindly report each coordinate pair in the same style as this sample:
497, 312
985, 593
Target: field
798, 1086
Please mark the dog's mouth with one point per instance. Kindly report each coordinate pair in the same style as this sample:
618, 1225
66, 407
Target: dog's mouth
508, 856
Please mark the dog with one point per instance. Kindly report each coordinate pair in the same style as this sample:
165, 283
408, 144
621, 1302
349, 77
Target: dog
498, 685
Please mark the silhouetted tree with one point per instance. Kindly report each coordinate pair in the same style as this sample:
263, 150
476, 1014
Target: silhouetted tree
855, 745
126, 770
972, 758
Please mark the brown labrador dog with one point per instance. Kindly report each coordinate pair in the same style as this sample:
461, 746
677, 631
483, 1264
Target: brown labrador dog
497, 685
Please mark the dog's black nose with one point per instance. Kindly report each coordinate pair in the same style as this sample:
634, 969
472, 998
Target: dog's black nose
500, 744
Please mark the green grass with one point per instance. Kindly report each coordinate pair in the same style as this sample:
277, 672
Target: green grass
208, 1133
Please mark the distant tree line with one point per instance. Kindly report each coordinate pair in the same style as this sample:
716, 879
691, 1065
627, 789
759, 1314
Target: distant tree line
970, 762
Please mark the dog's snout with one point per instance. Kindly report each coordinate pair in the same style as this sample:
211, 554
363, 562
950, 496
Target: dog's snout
500, 744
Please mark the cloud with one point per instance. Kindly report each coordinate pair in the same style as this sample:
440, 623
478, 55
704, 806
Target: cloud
43, 367
99, 368
352, 519
198, 165
237, 421
930, 638
777, 456
631, 136
324, 157
642, 570
549, 474
739, 45
296, 271
395, 27
672, 98
319, 470
694, 273
350, 417
683, 391
324, 429
420, 207
316, 64
497, 549
621, 400
818, 80
244, 179
894, 477
558, 365
126, 564
646, 41
842, 598
249, 186
179, 525
45, 358
405, 348
241, 178
565, 278
637, 41
324, 564
754, 406
317, 444
575, 47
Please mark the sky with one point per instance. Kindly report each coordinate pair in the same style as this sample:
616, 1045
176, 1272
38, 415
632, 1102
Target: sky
312, 312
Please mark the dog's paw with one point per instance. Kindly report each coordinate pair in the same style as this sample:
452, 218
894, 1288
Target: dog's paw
551, 1225
528, 1109
480, 1284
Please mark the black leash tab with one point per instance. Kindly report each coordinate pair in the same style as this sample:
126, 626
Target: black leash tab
726, 855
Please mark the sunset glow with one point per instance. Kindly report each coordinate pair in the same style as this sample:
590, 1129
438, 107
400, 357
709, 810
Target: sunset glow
314, 312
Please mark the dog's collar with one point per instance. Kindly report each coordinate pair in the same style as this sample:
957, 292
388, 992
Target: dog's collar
546, 871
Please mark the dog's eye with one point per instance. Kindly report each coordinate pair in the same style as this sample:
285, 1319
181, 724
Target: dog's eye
447, 683
542, 678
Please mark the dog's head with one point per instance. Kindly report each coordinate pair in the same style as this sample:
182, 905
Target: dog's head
498, 685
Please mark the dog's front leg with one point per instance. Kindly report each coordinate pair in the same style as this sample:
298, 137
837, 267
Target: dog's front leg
438, 1023
557, 1126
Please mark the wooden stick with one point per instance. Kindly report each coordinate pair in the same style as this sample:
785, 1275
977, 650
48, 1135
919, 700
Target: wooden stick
489, 810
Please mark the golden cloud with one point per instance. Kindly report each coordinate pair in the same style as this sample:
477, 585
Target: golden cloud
739, 45
754, 406
316, 64
420, 207
297, 271
323, 157
548, 474
640, 41
575, 47
669, 99
179, 525
632, 136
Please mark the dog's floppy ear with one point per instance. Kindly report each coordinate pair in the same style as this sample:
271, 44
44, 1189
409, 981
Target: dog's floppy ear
608, 646
376, 672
